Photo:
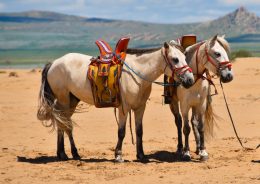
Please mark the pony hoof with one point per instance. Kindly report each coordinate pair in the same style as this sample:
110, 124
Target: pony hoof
62, 156
203, 155
119, 159
179, 154
186, 156
76, 157
142, 158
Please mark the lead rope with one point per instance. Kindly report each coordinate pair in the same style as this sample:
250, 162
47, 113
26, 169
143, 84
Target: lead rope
231, 119
130, 125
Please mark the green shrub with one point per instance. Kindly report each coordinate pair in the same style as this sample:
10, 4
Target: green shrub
240, 53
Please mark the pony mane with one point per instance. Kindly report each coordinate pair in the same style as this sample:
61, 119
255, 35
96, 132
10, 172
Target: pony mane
189, 51
176, 45
141, 50
224, 43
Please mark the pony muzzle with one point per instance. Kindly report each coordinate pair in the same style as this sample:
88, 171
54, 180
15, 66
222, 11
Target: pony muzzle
187, 78
226, 75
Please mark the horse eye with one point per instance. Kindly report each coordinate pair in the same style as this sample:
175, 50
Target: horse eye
175, 60
217, 54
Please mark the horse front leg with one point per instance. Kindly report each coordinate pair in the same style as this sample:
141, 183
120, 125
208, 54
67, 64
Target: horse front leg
195, 124
186, 131
178, 122
139, 113
121, 135
202, 152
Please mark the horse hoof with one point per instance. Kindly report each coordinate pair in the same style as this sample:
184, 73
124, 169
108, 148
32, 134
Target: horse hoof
186, 156
203, 155
62, 156
119, 159
76, 157
179, 154
142, 158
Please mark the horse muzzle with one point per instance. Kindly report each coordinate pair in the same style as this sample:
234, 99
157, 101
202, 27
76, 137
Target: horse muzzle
226, 75
187, 79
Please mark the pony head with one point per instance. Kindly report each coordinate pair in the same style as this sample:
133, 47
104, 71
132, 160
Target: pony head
216, 51
176, 65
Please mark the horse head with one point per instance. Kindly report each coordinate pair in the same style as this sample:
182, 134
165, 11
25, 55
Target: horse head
176, 65
216, 51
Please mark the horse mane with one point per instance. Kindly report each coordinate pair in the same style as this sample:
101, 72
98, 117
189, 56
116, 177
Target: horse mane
189, 52
141, 50
224, 43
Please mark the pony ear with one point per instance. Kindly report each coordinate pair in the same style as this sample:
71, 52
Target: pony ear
213, 40
223, 36
166, 45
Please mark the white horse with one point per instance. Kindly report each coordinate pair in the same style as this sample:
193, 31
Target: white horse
64, 84
210, 55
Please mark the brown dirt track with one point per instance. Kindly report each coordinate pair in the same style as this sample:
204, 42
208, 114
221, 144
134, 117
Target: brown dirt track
27, 149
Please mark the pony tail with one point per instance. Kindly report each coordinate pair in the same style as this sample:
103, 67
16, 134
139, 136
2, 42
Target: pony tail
210, 117
46, 100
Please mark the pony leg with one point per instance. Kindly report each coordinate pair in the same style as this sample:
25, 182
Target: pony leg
73, 104
121, 135
195, 124
139, 113
203, 153
178, 121
60, 145
73, 147
186, 131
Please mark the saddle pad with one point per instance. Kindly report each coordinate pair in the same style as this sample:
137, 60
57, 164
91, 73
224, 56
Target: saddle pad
105, 88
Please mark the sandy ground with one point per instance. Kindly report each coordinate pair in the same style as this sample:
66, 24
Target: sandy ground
27, 149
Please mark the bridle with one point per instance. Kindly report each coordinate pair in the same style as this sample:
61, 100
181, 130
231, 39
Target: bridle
178, 70
220, 66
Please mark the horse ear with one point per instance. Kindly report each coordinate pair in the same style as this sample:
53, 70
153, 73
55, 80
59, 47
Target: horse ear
223, 36
166, 45
213, 40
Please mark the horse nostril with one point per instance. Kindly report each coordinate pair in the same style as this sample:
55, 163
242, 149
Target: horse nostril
190, 81
229, 76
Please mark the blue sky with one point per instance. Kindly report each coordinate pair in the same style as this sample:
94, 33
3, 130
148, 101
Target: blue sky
159, 11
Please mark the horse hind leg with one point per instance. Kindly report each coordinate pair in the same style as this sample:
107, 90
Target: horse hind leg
63, 121
73, 104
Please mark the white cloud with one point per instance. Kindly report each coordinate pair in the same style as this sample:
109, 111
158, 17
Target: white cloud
240, 2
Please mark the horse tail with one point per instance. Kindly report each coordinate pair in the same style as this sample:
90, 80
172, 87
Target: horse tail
46, 100
210, 117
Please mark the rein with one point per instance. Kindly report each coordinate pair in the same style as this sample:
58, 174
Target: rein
231, 119
175, 84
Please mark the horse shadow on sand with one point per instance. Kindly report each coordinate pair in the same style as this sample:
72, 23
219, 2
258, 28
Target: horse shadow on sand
51, 159
155, 157
166, 156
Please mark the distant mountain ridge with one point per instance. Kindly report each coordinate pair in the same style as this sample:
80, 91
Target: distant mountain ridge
43, 16
50, 30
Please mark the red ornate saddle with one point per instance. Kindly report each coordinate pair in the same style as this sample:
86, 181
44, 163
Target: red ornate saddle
104, 73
